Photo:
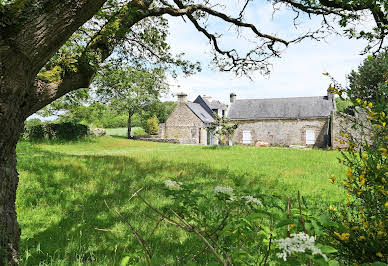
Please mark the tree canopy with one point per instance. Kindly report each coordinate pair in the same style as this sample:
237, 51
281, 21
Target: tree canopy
129, 90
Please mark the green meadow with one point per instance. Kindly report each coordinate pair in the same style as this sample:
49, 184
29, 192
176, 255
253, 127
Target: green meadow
63, 187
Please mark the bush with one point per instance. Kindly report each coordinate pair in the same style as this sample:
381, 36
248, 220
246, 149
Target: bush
153, 125
64, 131
138, 131
34, 132
361, 222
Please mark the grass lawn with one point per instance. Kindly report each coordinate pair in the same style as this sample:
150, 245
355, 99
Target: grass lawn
63, 186
123, 131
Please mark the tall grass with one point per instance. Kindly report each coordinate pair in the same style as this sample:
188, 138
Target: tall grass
60, 200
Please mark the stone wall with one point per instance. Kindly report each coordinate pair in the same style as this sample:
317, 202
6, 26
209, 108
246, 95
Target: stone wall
348, 124
175, 141
184, 125
283, 131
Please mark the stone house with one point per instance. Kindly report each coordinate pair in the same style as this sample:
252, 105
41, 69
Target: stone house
277, 121
283, 121
189, 121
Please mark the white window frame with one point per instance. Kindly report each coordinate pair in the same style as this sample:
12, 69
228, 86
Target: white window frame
310, 137
246, 140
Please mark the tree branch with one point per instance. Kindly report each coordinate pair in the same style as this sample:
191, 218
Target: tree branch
42, 35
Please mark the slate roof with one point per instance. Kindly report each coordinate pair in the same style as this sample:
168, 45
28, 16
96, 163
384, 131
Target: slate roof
280, 108
215, 104
198, 110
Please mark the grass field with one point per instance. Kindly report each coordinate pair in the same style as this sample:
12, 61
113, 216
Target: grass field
123, 131
63, 186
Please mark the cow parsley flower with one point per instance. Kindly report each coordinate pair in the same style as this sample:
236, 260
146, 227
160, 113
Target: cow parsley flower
298, 243
224, 190
250, 199
173, 185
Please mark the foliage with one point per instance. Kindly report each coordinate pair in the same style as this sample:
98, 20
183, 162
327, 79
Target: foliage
237, 228
152, 125
349, 14
33, 133
162, 110
362, 222
366, 83
130, 90
116, 121
138, 131
62, 131
223, 128
343, 105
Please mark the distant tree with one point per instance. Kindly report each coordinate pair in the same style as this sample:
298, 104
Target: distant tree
367, 83
162, 110
223, 128
129, 90
33, 122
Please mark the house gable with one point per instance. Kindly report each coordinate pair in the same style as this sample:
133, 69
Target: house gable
183, 116
199, 100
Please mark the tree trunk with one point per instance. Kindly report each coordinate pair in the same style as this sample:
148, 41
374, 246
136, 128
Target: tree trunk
9, 228
129, 125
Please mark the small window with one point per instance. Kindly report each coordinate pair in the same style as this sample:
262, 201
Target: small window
223, 113
310, 137
247, 138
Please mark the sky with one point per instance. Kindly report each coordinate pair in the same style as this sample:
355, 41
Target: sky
297, 73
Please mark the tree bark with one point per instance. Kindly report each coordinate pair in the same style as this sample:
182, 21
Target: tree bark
9, 228
129, 125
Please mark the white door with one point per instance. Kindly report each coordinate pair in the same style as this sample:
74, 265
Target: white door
247, 138
310, 137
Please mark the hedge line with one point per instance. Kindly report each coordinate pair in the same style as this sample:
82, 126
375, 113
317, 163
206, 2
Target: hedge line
65, 131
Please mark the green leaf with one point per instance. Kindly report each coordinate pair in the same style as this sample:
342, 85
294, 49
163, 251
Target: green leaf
125, 261
284, 222
327, 249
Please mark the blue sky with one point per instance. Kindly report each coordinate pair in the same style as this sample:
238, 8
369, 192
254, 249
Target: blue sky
297, 73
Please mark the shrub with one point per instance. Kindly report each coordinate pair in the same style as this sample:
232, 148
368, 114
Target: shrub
361, 223
34, 132
138, 131
64, 131
153, 125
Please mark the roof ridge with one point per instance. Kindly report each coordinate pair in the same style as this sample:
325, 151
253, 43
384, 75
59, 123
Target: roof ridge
297, 97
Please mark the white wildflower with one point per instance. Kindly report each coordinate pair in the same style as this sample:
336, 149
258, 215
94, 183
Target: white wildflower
298, 243
224, 190
250, 199
173, 184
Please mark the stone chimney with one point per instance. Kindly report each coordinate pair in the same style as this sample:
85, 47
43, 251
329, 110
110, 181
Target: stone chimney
331, 98
232, 97
182, 97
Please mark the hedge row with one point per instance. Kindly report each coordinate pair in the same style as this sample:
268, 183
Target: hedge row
65, 131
